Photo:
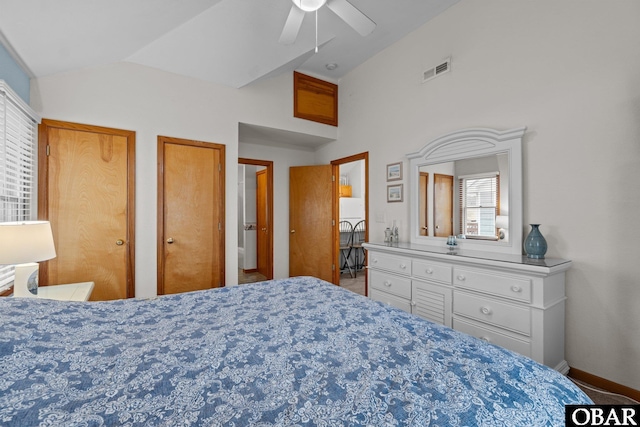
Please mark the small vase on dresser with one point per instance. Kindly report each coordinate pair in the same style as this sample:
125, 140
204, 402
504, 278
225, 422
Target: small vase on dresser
535, 245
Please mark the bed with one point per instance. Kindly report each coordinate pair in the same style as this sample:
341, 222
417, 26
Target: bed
295, 351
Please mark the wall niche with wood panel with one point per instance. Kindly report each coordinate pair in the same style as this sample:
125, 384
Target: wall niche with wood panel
315, 99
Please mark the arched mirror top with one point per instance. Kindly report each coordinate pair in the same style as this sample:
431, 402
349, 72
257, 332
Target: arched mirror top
468, 184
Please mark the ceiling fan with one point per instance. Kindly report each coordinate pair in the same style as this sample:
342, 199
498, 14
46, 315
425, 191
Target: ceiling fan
345, 10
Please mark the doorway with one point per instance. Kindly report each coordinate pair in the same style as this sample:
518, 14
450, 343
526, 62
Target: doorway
311, 222
86, 190
352, 215
190, 215
314, 219
255, 220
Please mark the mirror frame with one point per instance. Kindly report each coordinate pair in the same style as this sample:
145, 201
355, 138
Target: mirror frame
466, 144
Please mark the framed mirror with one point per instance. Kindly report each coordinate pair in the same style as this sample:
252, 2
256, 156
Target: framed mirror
468, 184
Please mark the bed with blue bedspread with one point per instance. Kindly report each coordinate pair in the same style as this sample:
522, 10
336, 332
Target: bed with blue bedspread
287, 352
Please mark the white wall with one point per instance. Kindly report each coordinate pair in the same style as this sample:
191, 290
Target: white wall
152, 103
570, 72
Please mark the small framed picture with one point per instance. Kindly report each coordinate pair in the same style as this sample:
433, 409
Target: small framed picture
394, 171
394, 193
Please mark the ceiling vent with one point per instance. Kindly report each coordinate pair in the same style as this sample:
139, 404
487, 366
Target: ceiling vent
437, 70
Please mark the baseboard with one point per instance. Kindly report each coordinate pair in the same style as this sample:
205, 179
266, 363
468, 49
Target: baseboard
604, 383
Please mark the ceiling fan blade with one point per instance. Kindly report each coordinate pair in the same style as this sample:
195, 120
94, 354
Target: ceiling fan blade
292, 26
352, 16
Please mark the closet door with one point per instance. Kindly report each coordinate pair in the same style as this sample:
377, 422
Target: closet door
86, 191
190, 215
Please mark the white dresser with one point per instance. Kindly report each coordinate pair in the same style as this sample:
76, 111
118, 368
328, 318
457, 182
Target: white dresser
508, 300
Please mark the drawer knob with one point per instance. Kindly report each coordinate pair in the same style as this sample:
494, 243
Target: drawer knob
515, 288
429, 271
387, 283
375, 260
487, 339
403, 266
485, 310
413, 304
461, 277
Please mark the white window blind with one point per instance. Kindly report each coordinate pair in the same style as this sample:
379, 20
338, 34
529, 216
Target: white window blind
479, 205
18, 136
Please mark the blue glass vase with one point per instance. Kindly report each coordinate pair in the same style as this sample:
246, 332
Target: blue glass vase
535, 244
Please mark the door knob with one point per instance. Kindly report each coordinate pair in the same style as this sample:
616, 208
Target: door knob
119, 242
293, 231
170, 240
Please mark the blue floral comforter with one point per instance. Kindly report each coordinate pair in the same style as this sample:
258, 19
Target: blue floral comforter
286, 352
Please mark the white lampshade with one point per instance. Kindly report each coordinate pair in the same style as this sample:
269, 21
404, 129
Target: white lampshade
502, 221
309, 5
26, 241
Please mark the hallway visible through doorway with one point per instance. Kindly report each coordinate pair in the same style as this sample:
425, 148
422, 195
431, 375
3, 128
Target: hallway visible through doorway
352, 220
255, 220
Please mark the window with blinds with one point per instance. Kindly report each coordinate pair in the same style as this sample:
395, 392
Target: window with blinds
18, 136
479, 205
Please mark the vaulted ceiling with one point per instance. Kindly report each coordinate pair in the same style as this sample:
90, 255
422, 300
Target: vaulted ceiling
229, 42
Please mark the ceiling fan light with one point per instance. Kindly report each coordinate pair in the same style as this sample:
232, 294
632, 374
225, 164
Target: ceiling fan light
309, 5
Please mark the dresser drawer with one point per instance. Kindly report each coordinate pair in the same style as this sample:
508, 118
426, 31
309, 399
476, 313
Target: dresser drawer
432, 271
501, 338
395, 263
497, 313
392, 300
516, 288
389, 283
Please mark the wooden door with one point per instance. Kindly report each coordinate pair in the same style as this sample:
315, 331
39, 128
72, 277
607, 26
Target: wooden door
310, 221
190, 215
87, 193
262, 222
443, 205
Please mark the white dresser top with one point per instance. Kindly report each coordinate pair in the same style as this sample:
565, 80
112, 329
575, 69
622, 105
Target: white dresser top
514, 262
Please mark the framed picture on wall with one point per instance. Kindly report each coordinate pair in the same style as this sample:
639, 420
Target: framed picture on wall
394, 193
394, 171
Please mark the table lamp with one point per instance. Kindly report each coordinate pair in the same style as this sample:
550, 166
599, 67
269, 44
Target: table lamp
25, 243
502, 224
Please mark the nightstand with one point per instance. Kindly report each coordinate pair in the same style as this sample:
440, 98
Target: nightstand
70, 292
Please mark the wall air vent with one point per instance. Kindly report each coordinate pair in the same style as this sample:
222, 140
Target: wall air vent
437, 70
